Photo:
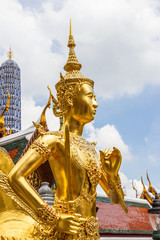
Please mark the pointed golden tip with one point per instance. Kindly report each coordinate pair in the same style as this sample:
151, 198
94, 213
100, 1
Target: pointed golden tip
70, 28
10, 54
72, 62
142, 182
150, 185
141, 179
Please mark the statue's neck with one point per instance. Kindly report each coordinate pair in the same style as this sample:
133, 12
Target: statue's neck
75, 126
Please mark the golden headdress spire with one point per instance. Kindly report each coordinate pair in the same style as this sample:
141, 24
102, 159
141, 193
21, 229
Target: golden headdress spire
72, 67
70, 29
72, 63
10, 54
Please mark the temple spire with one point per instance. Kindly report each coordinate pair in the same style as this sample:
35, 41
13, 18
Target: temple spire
10, 54
72, 62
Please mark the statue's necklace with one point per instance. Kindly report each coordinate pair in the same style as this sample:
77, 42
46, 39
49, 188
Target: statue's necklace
90, 164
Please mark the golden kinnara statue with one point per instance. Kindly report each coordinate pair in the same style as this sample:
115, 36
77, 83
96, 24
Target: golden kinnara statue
74, 163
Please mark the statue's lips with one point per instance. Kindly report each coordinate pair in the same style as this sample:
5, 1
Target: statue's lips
94, 112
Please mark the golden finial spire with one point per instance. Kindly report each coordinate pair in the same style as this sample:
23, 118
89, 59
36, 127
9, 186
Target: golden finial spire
10, 54
72, 63
70, 29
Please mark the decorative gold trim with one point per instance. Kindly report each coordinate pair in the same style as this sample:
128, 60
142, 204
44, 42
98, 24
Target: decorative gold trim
48, 215
41, 149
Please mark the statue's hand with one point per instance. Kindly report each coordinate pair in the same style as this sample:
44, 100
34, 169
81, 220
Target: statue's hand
68, 223
111, 160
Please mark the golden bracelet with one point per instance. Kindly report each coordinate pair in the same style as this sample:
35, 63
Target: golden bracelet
48, 215
111, 183
114, 182
41, 149
117, 181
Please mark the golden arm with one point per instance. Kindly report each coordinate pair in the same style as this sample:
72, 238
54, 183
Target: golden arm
109, 184
33, 158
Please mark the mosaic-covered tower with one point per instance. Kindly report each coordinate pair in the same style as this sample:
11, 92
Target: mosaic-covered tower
10, 80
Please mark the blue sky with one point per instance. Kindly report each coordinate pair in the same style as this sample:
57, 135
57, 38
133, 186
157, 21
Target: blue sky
118, 45
138, 121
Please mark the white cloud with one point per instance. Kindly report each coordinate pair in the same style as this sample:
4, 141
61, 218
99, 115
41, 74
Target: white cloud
118, 43
31, 112
108, 137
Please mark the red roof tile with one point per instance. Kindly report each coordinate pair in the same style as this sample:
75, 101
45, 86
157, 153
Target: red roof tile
13, 153
113, 217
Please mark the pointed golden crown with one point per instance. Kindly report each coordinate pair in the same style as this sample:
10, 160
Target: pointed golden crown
72, 67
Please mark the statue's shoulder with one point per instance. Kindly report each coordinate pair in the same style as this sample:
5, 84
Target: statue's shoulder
51, 138
59, 134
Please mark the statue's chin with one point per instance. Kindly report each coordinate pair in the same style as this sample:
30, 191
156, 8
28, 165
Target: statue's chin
15, 223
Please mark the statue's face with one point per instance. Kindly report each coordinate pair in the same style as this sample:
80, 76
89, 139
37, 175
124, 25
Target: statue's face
84, 104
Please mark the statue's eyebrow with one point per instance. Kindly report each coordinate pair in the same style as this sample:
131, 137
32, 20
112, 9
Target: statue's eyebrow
91, 94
